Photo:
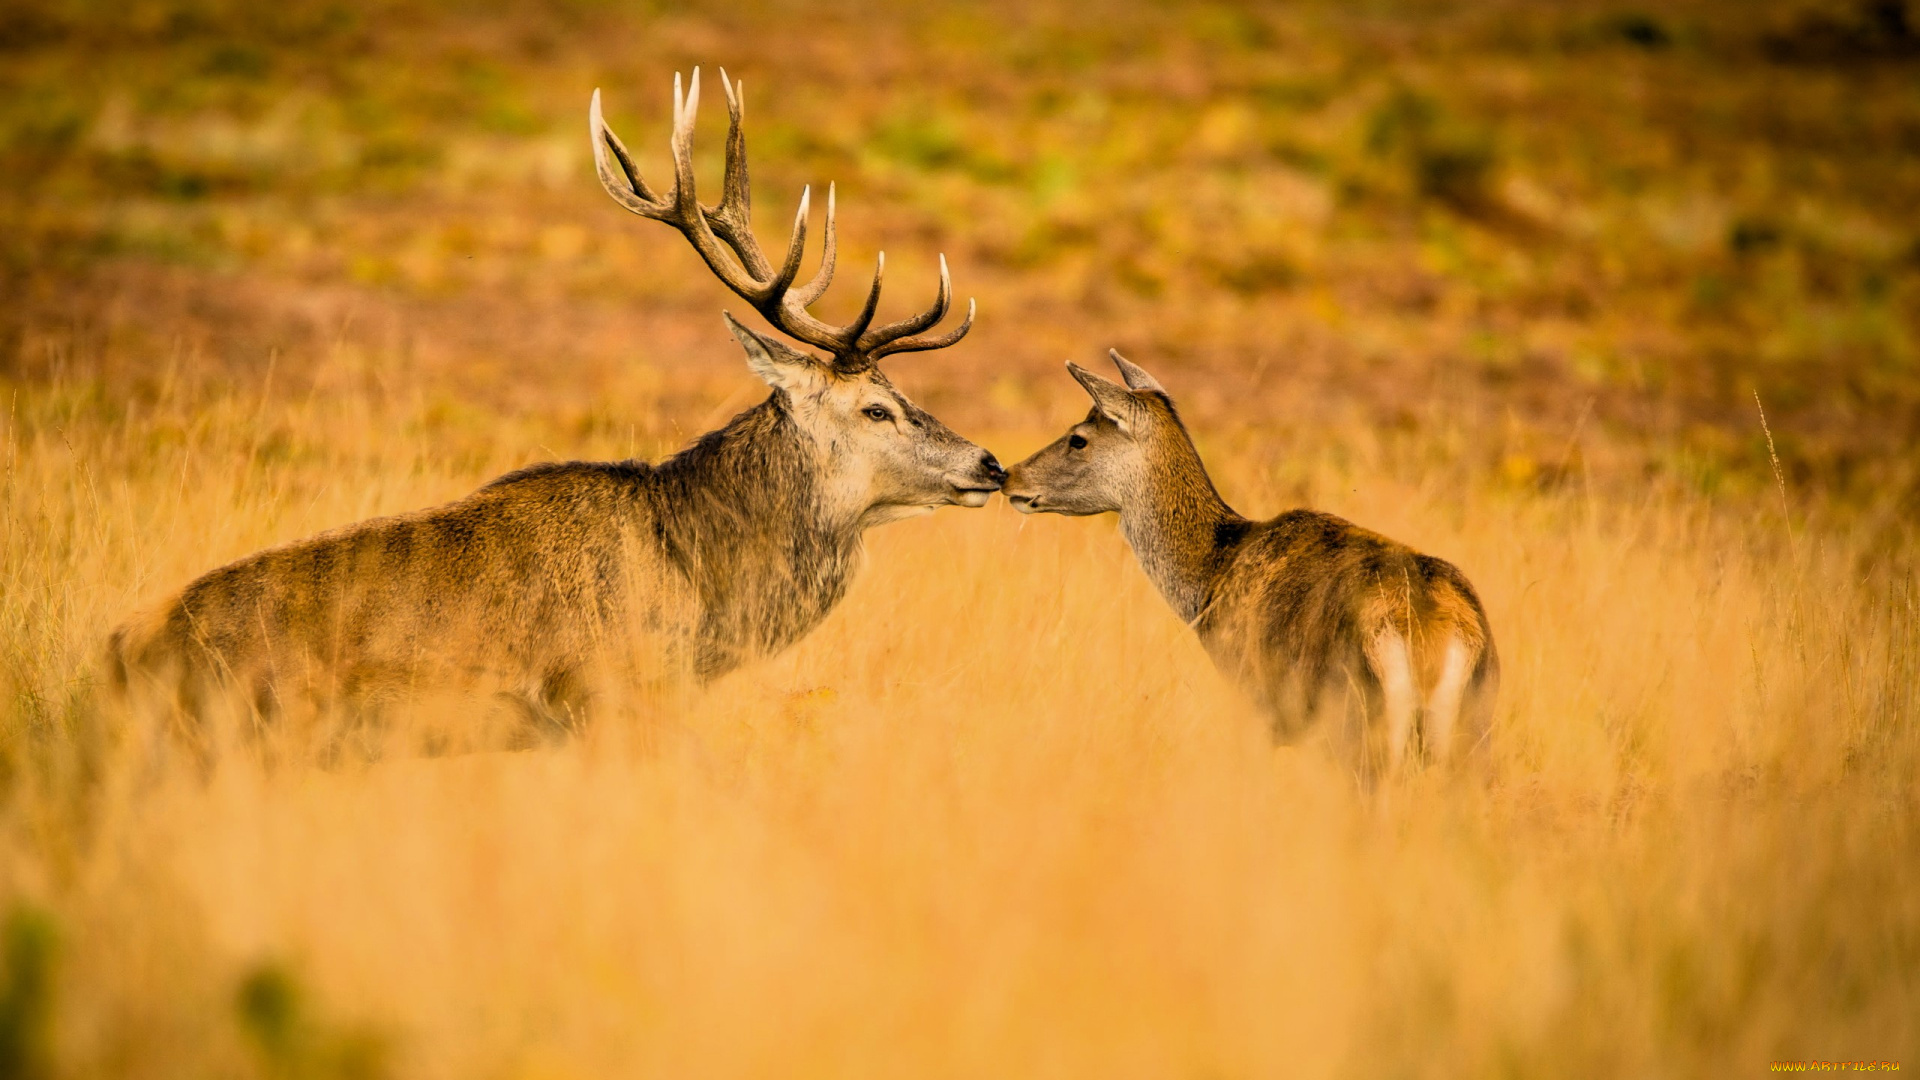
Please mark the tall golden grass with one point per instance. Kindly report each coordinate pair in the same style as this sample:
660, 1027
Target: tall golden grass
1497, 279
998, 816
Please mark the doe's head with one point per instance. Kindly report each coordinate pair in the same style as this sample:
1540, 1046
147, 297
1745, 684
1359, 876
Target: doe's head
1104, 463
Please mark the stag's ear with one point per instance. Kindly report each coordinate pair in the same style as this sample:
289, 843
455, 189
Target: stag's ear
780, 366
1113, 400
1136, 376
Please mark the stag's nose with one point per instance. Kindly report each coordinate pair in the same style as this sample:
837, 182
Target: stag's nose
991, 466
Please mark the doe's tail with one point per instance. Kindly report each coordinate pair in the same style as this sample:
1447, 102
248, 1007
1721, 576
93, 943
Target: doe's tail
1432, 658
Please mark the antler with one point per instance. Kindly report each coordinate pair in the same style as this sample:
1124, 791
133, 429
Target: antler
770, 290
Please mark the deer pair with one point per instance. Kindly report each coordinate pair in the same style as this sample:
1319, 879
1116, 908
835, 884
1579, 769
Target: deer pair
543, 581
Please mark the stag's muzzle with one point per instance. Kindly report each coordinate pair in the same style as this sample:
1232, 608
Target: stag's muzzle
977, 488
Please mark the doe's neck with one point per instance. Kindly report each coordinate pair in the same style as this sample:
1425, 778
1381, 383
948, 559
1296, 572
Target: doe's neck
1180, 528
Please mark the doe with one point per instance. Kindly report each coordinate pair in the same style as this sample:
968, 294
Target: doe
1317, 617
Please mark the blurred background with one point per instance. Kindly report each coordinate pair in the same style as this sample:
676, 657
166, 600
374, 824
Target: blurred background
1510, 282
1520, 219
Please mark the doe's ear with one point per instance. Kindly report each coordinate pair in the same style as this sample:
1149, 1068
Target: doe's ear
778, 365
1114, 401
1136, 376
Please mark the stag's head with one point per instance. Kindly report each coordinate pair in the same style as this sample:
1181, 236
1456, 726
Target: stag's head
883, 453
1130, 439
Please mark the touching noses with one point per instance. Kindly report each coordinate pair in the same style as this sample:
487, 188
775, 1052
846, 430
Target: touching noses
991, 466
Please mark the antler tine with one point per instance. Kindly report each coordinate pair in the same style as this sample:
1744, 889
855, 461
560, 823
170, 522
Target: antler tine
865, 319
685, 108
923, 344
736, 196
796, 247
913, 324
627, 187
816, 287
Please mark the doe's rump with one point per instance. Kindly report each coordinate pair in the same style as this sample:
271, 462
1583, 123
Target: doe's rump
1333, 626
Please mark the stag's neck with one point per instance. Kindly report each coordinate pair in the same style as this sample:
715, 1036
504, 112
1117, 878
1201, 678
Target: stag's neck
763, 469
1180, 529
745, 514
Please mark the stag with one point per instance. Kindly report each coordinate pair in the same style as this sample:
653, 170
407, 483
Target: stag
1316, 616
538, 584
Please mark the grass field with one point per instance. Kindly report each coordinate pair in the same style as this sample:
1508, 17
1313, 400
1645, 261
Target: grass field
1509, 282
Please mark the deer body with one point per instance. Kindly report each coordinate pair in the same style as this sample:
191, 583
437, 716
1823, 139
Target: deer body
1312, 614
544, 581
722, 553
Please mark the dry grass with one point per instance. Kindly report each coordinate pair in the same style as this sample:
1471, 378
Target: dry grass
1499, 280
998, 816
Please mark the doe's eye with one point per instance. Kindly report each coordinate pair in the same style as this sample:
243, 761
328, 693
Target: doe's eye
1077, 441
875, 412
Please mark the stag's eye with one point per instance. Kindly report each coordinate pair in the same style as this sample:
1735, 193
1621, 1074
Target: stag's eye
1077, 441
875, 412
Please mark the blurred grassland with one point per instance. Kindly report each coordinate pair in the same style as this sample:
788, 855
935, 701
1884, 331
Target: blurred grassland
1501, 280
1405, 210
998, 816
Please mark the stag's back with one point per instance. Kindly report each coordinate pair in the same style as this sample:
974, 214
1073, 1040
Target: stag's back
518, 585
